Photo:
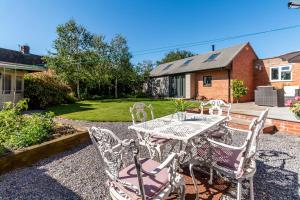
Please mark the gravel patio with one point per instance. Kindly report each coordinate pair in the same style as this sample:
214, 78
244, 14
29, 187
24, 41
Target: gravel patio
77, 174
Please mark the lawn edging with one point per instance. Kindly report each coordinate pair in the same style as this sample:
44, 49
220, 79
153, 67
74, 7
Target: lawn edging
30, 155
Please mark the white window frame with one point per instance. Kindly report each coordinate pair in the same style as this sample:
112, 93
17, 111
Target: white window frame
279, 73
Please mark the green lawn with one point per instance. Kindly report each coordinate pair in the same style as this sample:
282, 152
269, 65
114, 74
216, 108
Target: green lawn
110, 110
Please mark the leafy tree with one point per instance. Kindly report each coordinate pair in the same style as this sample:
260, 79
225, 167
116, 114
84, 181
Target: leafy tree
142, 71
175, 55
71, 45
119, 61
239, 90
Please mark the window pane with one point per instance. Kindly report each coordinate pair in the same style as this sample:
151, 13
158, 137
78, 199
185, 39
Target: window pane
6, 83
207, 80
286, 75
274, 74
287, 68
212, 57
19, 83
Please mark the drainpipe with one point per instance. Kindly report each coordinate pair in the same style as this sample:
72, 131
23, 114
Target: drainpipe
229, 85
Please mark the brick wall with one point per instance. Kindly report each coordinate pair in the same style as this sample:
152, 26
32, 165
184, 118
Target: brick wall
262, 73
219, 87
242, 69
289, 127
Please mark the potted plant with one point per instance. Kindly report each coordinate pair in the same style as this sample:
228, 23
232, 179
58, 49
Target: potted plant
181, 106
294, 106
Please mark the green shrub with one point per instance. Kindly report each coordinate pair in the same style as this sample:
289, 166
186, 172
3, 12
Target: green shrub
238, 89
45, 89
17, 130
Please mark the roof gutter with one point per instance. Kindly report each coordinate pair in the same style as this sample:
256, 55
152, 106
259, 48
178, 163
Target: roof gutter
23, 66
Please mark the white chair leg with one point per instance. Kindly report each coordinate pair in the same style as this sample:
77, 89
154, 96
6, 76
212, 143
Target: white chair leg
181, 194
239, 190
211, 176
251, 189
159, 152
194, 180
151, 152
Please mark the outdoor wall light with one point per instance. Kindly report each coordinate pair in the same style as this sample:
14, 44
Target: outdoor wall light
294, 4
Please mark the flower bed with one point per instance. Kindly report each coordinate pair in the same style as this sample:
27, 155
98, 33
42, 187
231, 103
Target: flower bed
18, 131
294, 106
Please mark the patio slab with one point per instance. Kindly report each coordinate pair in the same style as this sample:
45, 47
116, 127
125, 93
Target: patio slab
78, 174
249, 108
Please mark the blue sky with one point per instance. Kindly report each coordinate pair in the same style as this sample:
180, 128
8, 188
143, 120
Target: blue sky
151, 24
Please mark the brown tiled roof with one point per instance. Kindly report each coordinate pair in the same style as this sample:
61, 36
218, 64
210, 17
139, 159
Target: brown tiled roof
11, 56
199, 62
293, 57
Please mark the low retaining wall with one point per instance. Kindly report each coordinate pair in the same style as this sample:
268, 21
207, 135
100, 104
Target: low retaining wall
30, 155
290, 127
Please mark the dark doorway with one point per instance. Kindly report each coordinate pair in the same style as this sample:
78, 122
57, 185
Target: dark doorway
177, 86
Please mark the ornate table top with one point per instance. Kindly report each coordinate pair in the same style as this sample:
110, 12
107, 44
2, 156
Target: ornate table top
170, 127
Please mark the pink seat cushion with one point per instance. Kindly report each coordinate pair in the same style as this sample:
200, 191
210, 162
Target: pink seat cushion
152, 184
222, 156
158, 140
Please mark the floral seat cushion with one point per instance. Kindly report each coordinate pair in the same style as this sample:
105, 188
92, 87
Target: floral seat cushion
153, 185
158, 140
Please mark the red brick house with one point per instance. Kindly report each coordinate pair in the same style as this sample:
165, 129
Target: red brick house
280, 71
207, 75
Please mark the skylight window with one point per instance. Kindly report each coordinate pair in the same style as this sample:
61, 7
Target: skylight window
187, 62
168, 66
212, 57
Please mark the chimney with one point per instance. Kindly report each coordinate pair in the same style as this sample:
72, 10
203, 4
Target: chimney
25, 49
213, 47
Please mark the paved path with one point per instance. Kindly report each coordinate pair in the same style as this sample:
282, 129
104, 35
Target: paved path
77, 174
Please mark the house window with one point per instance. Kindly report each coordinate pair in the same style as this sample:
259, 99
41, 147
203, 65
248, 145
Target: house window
212, 57
207, 80
6, 84
281, 73
19, 84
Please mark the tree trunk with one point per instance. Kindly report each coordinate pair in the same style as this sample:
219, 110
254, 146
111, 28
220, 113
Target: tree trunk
78, 90
116, 88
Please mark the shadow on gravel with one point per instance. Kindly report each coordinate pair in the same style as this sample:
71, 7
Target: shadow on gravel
34, 182
37, 186
275, 182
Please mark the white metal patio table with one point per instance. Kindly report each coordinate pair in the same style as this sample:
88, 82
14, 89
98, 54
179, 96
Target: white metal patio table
170, 127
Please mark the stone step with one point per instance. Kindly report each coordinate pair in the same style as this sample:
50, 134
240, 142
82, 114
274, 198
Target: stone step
244, 124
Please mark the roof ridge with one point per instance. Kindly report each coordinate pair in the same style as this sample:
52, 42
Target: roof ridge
297, 51
218, 50
1, 48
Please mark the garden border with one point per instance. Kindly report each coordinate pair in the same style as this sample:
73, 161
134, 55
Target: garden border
30, 155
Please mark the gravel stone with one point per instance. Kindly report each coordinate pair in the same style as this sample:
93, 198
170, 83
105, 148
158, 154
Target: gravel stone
78, 174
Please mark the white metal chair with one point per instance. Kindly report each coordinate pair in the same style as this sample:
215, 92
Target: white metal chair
145, 179
235, 162
216, 108
154, 144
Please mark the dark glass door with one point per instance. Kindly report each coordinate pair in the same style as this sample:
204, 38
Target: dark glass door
177, 86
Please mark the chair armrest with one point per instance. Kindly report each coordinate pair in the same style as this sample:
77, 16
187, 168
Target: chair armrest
236, 129
163, 165
215, 143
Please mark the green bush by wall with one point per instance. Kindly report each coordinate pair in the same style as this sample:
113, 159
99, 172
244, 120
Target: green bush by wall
45, 89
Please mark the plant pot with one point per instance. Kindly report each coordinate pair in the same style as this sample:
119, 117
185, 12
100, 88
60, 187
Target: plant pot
297, 116
181, 116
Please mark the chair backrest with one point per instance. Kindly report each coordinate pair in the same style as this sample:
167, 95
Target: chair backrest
138, 112
216, 107
110, 149
255, 129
